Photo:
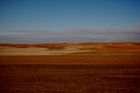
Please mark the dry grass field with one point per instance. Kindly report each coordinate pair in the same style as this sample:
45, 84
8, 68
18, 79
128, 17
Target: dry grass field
89, 68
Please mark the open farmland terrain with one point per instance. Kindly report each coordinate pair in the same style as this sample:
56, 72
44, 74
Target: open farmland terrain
45, 78
70, 68
110, 48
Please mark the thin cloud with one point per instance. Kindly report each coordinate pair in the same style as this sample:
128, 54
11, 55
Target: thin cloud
71, 35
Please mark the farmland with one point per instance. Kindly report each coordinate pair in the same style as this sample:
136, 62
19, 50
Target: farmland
90, 68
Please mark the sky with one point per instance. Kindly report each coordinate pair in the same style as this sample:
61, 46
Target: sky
59, 21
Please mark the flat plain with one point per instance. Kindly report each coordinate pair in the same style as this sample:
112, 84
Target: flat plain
99, 68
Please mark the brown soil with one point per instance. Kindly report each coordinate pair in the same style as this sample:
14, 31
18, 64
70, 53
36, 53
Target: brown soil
72, 59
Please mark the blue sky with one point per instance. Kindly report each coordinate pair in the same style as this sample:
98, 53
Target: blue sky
56, 21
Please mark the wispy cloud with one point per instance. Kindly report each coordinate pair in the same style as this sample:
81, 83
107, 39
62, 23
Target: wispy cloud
71, 35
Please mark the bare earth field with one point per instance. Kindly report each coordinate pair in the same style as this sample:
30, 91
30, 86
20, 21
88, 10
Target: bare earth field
70, 68
69, 78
